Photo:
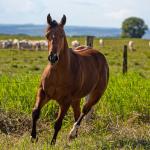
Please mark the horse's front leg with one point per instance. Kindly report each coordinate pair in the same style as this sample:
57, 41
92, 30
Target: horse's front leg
62, 111
41, 100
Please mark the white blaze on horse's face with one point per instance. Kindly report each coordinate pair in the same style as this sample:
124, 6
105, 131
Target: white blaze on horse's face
55, 43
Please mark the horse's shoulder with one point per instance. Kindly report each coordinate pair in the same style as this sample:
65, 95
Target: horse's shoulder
47, 69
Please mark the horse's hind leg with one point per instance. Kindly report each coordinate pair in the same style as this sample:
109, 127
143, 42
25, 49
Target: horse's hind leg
77, 111
89, 114
93, 99
41, 100
76, 108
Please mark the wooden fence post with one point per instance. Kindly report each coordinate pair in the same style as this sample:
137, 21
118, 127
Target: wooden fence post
89, 41
124, 69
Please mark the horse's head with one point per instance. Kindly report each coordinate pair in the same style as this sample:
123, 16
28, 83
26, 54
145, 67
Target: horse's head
55, 35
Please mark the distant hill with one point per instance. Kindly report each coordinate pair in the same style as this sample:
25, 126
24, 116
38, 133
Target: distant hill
39, 30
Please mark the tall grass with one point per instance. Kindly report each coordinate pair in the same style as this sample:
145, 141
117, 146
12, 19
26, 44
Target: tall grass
125, 94
126, 98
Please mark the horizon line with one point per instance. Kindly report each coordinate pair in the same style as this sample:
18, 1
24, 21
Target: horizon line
32, 24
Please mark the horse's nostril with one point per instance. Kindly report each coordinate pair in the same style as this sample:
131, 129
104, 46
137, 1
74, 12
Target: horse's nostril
56, 58
53, 58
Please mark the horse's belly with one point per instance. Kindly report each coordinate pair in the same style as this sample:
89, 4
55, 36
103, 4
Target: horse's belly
85, 89
83, 93
57, 92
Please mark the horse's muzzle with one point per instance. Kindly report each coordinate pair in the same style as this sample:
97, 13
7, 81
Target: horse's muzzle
53, 58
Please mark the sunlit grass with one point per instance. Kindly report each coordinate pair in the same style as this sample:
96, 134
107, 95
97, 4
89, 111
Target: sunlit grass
121, 118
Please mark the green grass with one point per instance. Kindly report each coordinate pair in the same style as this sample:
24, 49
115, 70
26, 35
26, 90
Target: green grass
121, 119
125, 95
13, 61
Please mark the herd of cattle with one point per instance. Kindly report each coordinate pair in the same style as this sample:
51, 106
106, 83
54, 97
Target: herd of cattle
23, 44
42, 44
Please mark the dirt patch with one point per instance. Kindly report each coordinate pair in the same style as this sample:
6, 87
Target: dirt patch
12, 123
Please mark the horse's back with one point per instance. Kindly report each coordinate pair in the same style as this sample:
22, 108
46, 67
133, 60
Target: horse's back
81, 48
88, 55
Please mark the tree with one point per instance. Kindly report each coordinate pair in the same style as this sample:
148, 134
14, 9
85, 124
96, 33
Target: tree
133, 27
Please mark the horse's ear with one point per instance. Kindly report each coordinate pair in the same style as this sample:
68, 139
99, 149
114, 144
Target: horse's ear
49, 19
63, 20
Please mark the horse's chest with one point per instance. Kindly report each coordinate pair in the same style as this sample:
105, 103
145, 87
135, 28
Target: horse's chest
57, 92
56, 89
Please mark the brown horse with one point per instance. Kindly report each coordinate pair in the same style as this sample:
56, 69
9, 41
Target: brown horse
69, 76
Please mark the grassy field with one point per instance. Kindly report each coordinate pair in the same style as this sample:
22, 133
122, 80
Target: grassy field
121, 119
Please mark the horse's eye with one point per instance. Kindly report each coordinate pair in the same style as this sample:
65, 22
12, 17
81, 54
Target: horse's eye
47, 35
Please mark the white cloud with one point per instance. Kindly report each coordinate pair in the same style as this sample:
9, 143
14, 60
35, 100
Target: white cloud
85, 12
17, 6
85, 2
119, 14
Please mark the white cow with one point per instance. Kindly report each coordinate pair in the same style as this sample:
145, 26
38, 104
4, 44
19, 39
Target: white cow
75, 44
7, 43
44, 44
15, 43
36, 45
131, 45
101, 43
24, 44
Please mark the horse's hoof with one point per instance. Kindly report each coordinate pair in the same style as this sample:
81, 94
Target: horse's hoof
71, 137
74, 132
53, 142
34, 140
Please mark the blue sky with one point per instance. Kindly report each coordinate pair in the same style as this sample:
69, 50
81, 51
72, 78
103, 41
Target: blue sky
101, 13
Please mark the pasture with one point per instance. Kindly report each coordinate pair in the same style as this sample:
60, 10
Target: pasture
121, 119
